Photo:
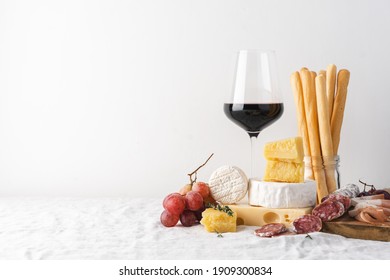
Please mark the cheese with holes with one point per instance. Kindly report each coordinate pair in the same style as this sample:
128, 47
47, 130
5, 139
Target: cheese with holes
218, 221
281, 171
228, 184
282, 195
259, 216
290, 150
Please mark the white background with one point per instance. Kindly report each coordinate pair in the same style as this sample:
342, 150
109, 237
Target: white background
102, 270
125, 97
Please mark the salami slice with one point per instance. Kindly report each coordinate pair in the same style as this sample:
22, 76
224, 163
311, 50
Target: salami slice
329, 210
270, 230
346, 201
307, 223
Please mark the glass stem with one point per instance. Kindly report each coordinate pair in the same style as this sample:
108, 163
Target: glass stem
254, 155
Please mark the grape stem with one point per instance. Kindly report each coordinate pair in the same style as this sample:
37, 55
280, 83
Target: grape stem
365, 184
192, 181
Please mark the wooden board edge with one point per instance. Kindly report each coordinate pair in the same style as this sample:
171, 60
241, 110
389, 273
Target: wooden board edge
357, 231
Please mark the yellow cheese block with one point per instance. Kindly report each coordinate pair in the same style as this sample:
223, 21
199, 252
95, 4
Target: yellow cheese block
290, 149
218, 221
259, 216
281, 171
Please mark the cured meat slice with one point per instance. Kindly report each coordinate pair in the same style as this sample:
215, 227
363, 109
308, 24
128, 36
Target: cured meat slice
379, 202
307, 223
270, 230
362, 206
357, 200
372, 215
329, 210
359, 208
345, 200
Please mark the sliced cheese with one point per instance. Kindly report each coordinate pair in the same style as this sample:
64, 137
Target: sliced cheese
282, 195
290, 149
281, 171
259, 216
228, 184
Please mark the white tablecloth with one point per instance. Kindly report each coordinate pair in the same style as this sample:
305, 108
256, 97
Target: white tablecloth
128, 228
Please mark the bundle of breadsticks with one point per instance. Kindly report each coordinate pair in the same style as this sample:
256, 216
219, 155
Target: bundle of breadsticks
320, 102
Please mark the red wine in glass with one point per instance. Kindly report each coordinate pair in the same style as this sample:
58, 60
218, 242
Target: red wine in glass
256, 101
253, 117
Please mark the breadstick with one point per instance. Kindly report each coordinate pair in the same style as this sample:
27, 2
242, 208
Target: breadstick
330, 86
338, 107
309, 97
323, 72
324, 129
296, 86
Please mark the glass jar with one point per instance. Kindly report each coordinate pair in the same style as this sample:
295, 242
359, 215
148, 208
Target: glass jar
329, 164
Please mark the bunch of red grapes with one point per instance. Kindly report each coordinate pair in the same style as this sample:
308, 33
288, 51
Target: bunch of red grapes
186, 206
374, 191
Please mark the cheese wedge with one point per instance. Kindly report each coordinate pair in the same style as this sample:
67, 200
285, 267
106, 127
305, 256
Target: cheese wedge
218, 221
282, 195
259, 216
290, 150
281, 171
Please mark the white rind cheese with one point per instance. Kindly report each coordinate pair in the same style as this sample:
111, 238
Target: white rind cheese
228, 184
282, 195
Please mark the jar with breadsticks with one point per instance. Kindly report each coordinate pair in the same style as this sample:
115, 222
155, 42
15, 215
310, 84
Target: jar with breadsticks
320, 102
329, 165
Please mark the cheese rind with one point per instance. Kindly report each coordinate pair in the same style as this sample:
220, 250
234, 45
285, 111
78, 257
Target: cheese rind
282, 195
281, 171
259, 216
290, 150
218, 221
228, 184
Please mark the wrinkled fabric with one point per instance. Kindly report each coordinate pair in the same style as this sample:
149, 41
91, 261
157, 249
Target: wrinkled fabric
128, 228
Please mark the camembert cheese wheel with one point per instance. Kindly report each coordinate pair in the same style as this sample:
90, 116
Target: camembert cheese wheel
228, 184
282, 195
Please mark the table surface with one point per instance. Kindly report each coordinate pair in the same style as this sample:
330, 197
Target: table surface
129, 228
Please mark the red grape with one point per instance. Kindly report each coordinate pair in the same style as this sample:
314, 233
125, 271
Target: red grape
198, 214
174, 203
184, 190
194, 201
210, 200
188, 218
168, 219
201, 188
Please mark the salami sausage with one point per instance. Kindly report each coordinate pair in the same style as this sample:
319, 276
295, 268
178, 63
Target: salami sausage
329, 210
307, 223
346, 201
270, 230
349, 190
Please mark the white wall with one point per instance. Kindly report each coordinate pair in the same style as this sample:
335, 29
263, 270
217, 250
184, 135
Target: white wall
125, 97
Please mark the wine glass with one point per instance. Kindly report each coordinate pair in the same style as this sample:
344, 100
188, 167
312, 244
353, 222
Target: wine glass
256, 101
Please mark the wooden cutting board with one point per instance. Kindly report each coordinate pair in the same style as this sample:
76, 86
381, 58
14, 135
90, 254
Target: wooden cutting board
349, 227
